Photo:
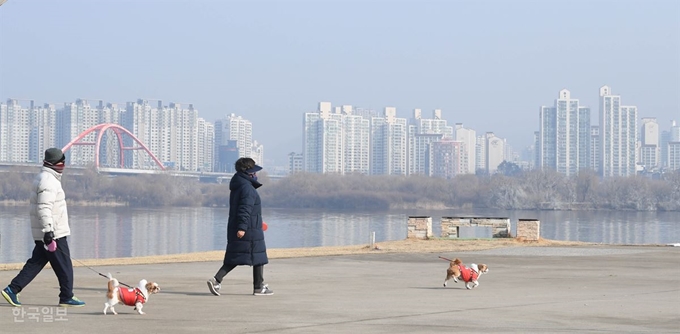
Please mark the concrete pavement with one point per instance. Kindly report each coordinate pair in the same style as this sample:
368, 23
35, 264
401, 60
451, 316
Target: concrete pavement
586, 289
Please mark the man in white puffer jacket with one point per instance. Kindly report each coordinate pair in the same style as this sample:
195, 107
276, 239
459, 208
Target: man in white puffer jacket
49, 226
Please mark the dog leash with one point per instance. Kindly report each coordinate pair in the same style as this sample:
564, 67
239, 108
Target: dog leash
88, 267
443, 258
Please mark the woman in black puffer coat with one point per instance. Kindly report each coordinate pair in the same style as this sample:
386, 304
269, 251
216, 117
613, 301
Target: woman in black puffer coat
245, 237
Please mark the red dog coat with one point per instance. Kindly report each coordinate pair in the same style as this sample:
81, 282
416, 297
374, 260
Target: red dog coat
467, 274
130, 297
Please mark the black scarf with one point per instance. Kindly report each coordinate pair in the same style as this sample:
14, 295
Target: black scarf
57, 168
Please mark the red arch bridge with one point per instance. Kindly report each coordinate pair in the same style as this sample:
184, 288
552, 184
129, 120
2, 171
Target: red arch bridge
115, 148
139, 160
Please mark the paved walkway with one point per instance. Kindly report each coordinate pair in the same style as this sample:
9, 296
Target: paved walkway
610, 289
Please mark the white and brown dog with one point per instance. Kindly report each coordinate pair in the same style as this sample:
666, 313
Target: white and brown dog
457, 270
132, 297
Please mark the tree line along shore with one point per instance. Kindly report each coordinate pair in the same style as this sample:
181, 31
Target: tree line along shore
533, 190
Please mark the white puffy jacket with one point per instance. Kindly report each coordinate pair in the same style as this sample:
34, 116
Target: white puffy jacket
48, 206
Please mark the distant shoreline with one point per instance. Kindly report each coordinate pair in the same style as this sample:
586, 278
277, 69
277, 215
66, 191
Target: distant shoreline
415, 206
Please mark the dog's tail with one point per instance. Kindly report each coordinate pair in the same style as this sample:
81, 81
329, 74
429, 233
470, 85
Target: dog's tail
457, 261
112, 286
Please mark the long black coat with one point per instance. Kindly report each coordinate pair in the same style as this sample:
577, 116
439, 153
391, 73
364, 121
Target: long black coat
245, 213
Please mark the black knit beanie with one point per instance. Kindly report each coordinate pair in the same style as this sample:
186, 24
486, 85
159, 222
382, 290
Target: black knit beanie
54, 155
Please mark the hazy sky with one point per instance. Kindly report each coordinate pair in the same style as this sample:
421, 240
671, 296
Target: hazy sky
487, 64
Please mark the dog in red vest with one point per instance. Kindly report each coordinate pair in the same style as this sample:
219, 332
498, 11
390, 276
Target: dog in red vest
136, 297
457, 270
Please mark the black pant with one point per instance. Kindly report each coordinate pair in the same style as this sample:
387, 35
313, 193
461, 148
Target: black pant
61, 264
258, 274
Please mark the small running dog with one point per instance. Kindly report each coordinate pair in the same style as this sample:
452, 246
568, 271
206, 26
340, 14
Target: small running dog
457, 270
131, 297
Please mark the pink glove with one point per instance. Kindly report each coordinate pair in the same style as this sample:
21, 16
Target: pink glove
51, 247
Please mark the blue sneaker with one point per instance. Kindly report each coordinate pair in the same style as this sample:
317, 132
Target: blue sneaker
73, 302
11, 297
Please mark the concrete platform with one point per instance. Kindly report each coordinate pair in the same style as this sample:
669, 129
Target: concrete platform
593, 289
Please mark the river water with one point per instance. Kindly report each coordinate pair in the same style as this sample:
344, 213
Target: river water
105, 232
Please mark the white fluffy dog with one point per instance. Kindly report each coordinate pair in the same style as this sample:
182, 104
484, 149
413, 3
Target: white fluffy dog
132, 297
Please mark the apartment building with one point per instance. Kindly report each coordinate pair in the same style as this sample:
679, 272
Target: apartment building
618, 135
421, 133
564, 135
649, 148
389, 152
469, 139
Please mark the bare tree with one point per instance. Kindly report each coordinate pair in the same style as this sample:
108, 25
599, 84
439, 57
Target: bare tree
586, 184
506, 193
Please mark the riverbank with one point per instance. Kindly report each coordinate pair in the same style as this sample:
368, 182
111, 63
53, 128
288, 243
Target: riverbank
398, 246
